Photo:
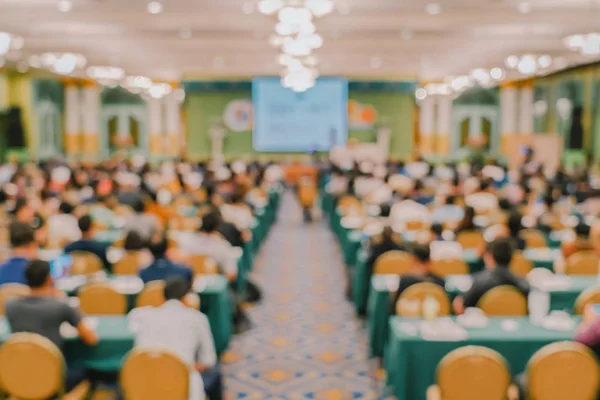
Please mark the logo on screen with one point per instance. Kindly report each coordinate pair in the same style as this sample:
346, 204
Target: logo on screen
361, 116
238, 115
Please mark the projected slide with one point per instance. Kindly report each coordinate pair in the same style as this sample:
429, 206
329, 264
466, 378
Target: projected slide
288, 121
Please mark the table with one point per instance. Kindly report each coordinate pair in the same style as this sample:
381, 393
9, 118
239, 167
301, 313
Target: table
411, 361
379, 306
215, 302
115, 342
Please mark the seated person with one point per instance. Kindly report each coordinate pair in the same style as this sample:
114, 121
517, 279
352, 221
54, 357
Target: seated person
183, 331
209, 242
436, 230
467, 224
448, 212
588, 333
421, 271
24, 248
42, 312
87, 242
496, 257
141, 222
162, 268
514, 229
64, 225
582, 241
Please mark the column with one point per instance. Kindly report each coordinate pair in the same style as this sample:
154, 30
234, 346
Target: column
444, 124
508, 114
155, 127
73, 107
427, 125
90, 119
526, 108
173, 125
4, 97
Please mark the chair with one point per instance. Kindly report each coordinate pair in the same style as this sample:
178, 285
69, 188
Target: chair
129, 264
417, 293
415, 225
145, 373
85, 263
33, 368
503, 301
346, 203
307, 194
9, 291
519, 265
99, 298
472, 373
393, 262
563, 370
203, 265
446, 267
534, 239
152, 295
588, 296
582, 263
470, 239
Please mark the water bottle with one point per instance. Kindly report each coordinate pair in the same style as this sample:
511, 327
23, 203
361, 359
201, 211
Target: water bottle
431, 308
539, 306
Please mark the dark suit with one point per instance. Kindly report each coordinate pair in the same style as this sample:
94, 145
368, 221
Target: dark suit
407, 281
488, 279
91, 246
163, 269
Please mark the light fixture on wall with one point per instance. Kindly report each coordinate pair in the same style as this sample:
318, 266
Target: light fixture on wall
529, 64
8, 42
106, 75
586, 44
59, 63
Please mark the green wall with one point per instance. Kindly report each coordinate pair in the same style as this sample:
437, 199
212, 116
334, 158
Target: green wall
392, 109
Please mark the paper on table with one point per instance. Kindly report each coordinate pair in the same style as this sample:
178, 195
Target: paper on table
509, 325
127, 284
68, 331
558, 321
443, 329
460, 282
473, 318
554, 283
351, 222
70, 283
200, 283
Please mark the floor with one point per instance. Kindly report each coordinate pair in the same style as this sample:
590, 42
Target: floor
306, 342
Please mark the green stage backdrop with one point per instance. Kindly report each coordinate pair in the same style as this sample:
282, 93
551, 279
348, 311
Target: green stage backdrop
229, 107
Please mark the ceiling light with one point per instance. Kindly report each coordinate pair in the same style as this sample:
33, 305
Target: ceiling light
527, 65
269, 7
512, 61
155, 7
5, 40
421, 94
376, 62
276, 40
433, 8
17, 42
185, 33
105, 73
248, 7
545, 61
64, 5
34, 61
587, 44
497, 73
524, 7
319, 8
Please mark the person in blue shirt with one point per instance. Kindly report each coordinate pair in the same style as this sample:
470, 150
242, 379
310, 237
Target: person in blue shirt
448, 212
87, 242
162, 268
24, 248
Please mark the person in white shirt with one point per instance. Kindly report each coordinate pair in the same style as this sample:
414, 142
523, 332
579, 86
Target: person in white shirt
184, 332
409, 210
64, 226
237, 212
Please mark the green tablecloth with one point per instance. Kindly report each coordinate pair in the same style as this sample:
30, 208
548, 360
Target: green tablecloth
115, 342
379, 305
411, 361
214, 302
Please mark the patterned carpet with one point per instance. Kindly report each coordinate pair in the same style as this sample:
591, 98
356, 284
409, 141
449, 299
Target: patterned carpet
306, 342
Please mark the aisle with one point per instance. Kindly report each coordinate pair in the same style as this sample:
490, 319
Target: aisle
306, 342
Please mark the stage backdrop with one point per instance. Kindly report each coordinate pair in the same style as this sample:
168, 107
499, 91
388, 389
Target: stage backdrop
228, 105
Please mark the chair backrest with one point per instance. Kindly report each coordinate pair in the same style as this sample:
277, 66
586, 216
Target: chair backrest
449, 267
588, 296
563, 370
203, 265
417, 293
98, 298
9, 291
534, 239
470, 239
415, 225
503, 301
85, 263
473, 373
392, 262
582, 263
152, 294
145, 372
520, 265
129, 264
31, 367
307, 194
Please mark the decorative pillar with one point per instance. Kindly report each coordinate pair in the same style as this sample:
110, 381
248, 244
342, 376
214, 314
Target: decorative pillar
508, 114
155, 127
444, 124
91, 119
427, 125
526, 108
4, 97
73, 139
173, 125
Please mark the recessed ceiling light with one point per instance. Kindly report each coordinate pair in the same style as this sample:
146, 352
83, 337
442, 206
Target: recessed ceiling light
524, 7
497, 73
407, 34
433, 8
155, 7
248, 7
64, 5
185, 33
376, 62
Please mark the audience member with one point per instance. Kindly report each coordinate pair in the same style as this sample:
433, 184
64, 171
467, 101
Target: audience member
448, 212
87, 242
144, 224
421, 271
515, 227
497, 258
64, 226
581, 241
467, 223
183, 331
162, 268
23, 248
588, 333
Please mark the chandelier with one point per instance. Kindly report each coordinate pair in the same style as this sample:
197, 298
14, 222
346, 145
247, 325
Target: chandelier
529, 64
296, 37
105, 75
587, 44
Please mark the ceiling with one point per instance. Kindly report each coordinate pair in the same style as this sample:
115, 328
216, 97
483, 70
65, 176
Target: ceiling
371, 38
